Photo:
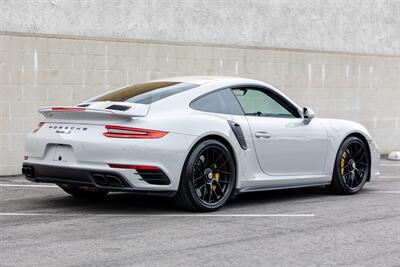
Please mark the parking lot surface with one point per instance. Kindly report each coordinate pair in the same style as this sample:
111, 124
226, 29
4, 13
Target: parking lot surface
43, 226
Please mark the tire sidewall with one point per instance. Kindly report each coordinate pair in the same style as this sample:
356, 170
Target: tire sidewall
188, 169
337, 172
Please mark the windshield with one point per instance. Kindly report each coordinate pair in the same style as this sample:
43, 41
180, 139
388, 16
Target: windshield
145, 93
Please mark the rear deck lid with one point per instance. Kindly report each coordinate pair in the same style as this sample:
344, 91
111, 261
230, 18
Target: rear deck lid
97, 111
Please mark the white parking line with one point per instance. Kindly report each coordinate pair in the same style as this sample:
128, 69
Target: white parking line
389, 177
389, 165
157, 215
26, 185
385, 192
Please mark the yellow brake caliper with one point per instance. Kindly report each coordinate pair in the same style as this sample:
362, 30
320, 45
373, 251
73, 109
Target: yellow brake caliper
342, 163
216, 175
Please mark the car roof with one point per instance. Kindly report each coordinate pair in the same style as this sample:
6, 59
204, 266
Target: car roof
200, 80
214, 82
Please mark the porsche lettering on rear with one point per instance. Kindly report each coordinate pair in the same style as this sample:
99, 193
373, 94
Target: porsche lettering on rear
67, 129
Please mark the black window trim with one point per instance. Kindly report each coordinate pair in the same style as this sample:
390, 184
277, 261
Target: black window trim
275, 96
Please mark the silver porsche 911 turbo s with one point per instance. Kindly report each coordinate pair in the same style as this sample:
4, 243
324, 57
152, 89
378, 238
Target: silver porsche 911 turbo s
200, 140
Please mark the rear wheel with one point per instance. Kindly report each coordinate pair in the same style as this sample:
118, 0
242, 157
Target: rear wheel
351, 167
83, 192
208, 178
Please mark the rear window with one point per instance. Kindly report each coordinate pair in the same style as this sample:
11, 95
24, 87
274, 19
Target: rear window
146, 93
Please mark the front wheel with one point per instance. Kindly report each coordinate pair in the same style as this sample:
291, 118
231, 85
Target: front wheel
207, 179
351, 167
83, 192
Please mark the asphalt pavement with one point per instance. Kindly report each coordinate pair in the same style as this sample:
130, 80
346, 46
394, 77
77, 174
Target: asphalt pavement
43, 226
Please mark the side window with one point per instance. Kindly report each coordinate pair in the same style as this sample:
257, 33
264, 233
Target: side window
222, 101
256, 102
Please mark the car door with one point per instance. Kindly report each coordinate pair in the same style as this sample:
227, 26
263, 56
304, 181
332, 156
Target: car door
284, 143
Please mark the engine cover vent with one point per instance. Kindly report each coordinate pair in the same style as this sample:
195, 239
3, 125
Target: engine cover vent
119, 107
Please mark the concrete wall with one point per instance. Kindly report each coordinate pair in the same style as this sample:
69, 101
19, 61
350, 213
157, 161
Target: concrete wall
39, 71
362, 26
340, 57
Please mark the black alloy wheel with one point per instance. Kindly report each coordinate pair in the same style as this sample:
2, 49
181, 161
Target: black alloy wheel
208, 177
352, 167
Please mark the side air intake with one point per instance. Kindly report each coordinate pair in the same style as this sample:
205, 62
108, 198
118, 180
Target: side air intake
237, 130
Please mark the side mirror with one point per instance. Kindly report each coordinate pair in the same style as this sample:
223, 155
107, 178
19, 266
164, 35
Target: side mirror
308, 115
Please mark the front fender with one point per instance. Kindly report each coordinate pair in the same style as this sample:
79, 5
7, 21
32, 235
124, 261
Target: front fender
339, 130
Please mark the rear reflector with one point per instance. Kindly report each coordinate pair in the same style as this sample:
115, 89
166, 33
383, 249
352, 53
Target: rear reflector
135, 167
68, 109
128, 132
25, 157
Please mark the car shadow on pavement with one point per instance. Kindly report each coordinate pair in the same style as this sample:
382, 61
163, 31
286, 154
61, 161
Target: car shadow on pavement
273, 197
126, 203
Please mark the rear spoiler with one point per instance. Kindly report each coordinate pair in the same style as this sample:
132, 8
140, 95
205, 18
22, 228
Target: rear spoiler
52, 112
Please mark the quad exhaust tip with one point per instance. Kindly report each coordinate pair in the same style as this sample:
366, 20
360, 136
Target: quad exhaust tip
28, 171
108, 180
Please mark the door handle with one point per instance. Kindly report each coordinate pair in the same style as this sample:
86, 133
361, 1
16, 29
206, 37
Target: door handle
262, 135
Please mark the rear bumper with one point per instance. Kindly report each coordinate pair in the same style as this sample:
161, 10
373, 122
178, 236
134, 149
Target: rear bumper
105, 180
93, 152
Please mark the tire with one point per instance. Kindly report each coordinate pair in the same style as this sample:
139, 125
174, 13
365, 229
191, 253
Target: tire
352, 167
83, 192
208, 178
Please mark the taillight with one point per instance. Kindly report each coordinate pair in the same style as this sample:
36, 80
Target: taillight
68, 109
40, 124
128, 132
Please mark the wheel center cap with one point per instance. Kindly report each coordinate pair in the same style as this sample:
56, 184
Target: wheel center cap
209, 174
353, 165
